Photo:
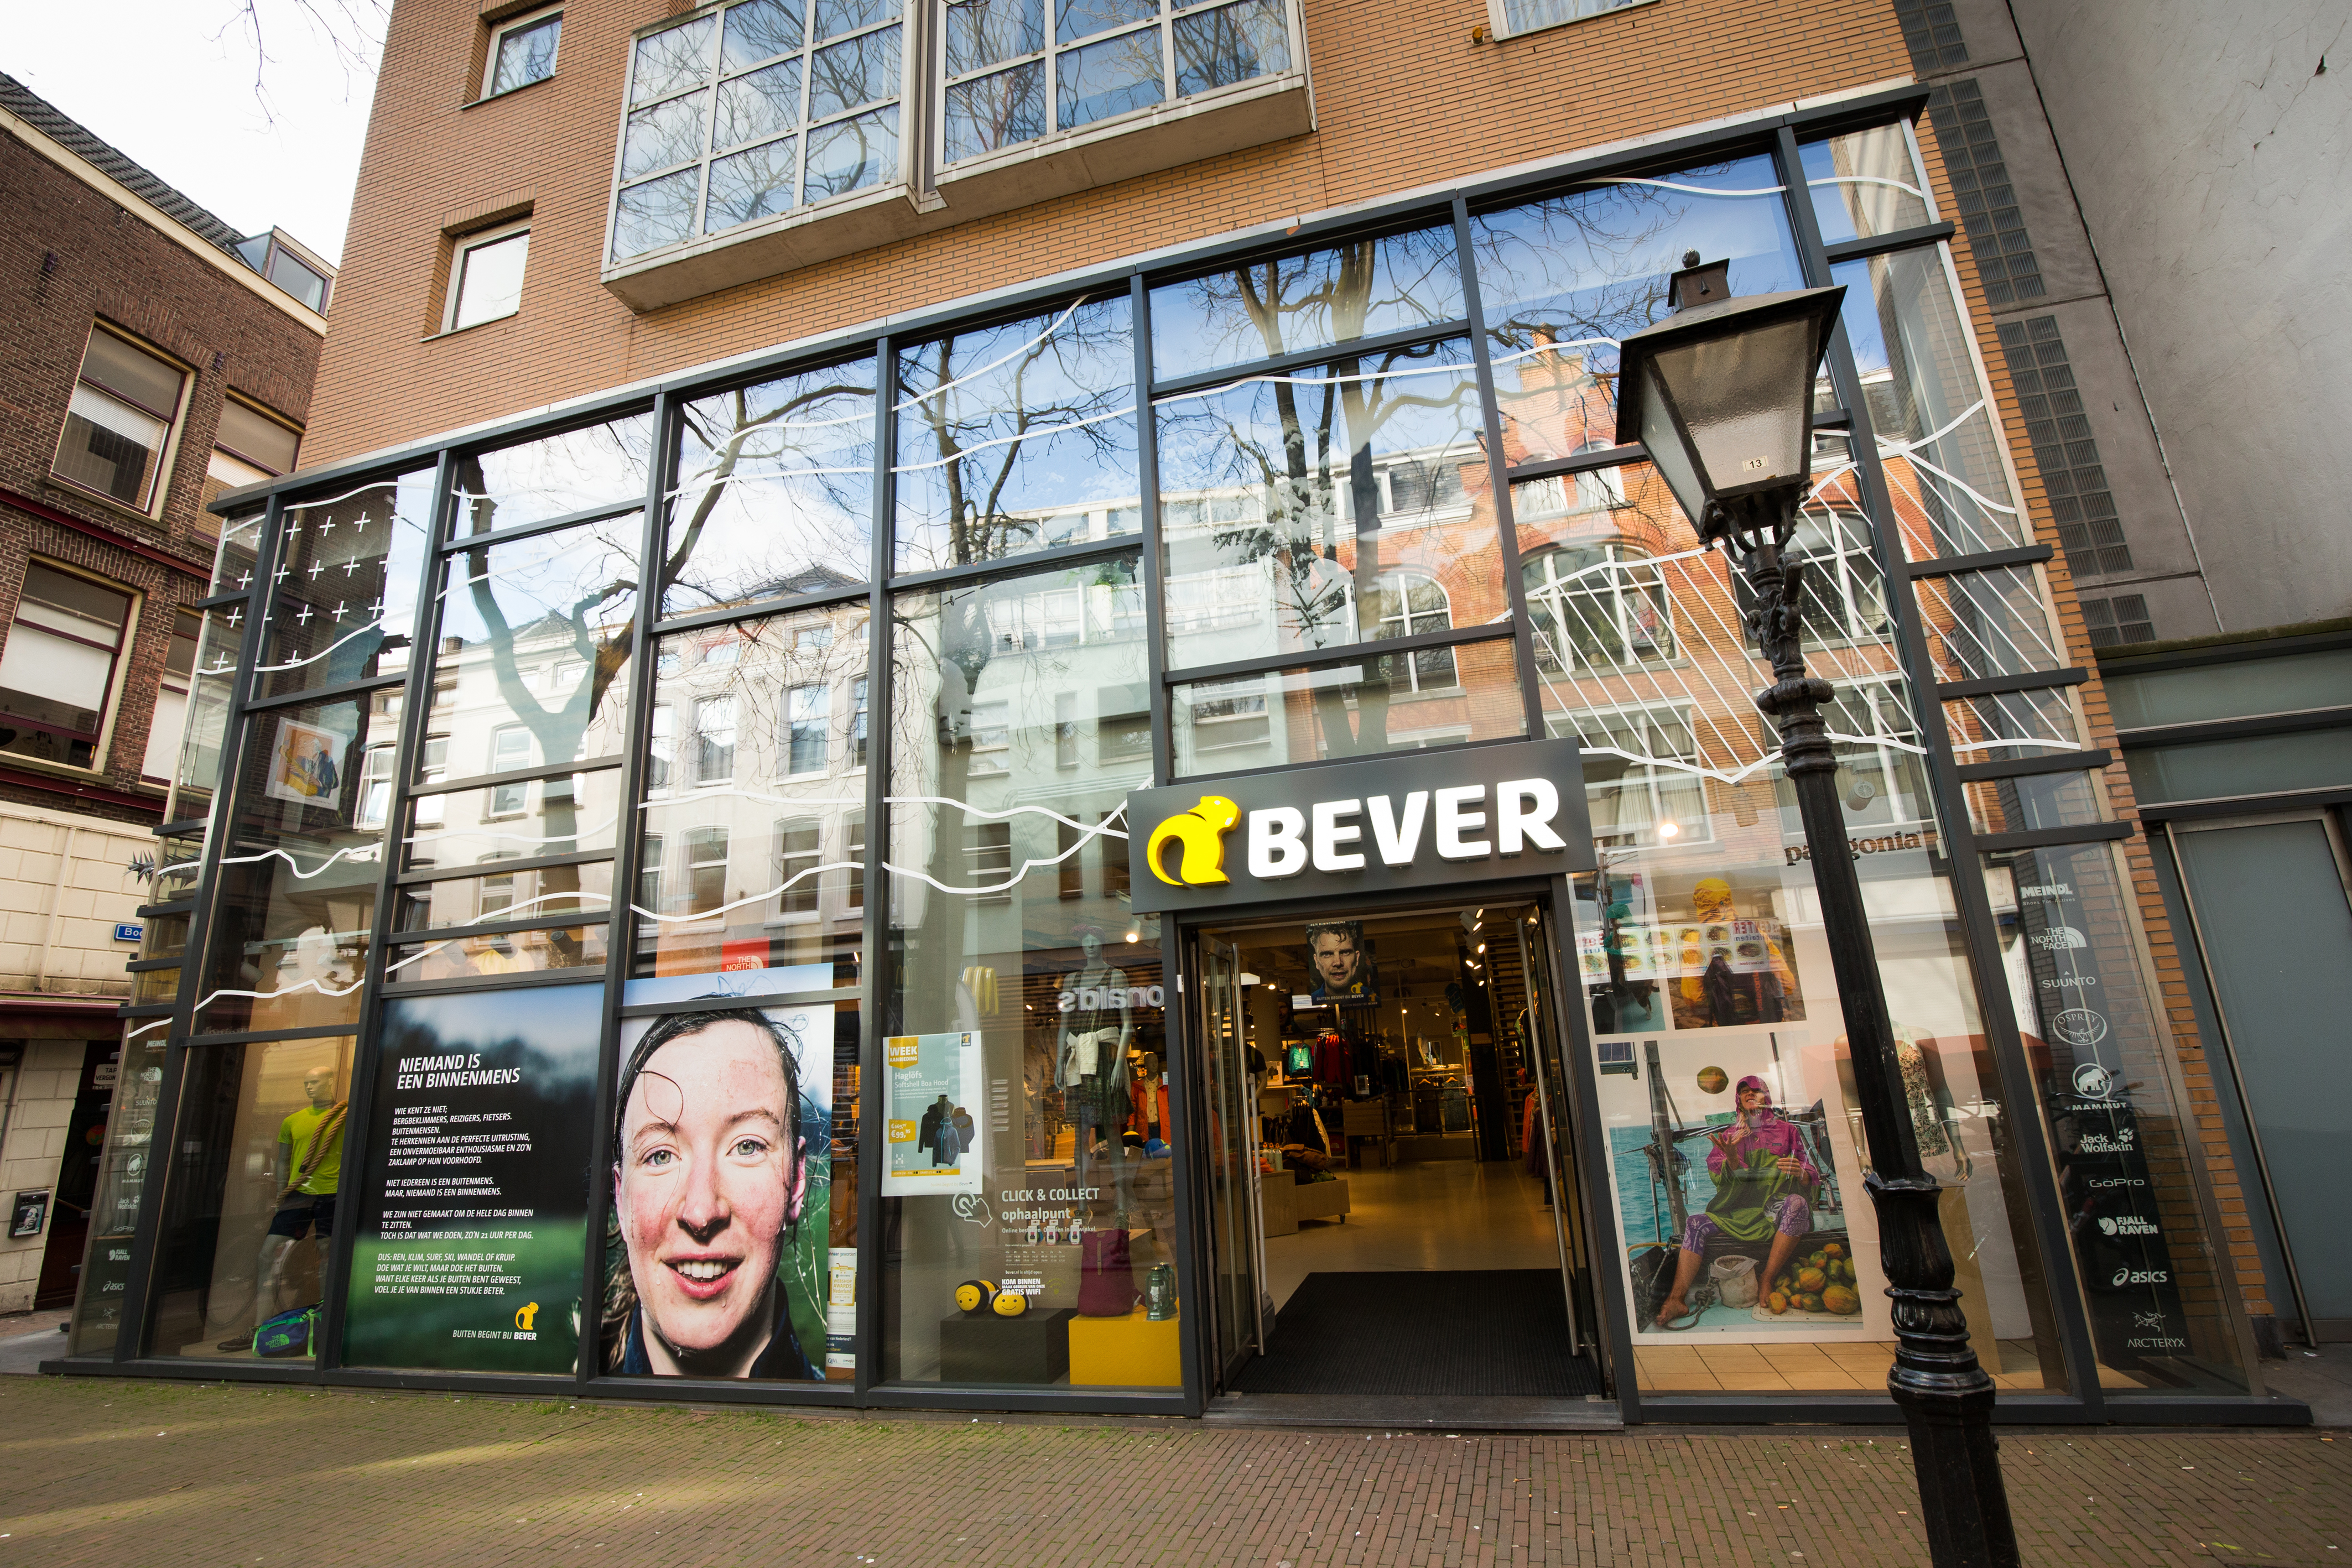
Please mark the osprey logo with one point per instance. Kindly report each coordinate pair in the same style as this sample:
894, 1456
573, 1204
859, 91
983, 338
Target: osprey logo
1199, 835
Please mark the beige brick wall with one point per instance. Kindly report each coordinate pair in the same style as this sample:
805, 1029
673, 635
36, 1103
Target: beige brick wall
1404, 97
44, 1094
64, 881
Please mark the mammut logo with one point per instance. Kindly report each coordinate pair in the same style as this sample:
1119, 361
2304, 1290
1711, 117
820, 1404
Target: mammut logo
1200, 834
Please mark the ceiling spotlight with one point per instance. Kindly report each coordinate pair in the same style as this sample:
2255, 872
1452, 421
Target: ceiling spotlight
1135, 936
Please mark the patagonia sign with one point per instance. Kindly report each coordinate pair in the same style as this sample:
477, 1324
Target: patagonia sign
1416, 819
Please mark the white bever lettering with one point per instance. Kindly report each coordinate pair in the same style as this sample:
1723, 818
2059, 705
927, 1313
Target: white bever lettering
1278, 842
1524, 808
1454, 820
1398, 837
1332, 830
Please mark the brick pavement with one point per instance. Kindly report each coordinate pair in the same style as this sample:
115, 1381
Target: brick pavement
149, 1473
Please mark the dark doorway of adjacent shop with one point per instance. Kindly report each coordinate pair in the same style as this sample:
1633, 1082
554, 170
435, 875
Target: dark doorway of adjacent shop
1390, 1221
77, 1184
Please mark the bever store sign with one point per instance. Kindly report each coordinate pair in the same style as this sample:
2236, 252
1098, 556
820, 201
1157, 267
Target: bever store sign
1417, 819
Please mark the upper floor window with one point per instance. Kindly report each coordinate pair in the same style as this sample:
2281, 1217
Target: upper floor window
119, 420
522, 52
1513, 17
249, 448
58, 670
1106, 58
747, 111
486, 276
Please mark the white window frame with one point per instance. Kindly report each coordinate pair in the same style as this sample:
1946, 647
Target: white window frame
1624, 562
465, 245
502, 31
1398, 581
1498, 20
811, 894
175, 684
158, 485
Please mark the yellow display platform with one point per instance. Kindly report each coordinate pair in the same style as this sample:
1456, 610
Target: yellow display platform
1128, 1352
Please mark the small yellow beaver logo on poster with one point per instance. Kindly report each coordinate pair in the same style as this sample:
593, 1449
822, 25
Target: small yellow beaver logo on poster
1200, 834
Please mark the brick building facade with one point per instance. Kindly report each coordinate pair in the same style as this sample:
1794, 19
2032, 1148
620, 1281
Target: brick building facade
109, 548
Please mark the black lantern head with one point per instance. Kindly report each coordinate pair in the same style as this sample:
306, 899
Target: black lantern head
1722, 395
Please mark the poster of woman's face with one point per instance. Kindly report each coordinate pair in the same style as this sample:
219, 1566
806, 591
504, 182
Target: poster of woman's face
719, 1178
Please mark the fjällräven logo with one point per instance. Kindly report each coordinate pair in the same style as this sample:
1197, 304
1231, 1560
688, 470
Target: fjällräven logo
1200, 837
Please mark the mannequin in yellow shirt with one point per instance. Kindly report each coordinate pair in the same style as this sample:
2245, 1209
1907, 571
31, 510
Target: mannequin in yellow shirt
309, 1209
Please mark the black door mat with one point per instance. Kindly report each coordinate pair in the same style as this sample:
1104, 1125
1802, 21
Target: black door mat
1490, 1331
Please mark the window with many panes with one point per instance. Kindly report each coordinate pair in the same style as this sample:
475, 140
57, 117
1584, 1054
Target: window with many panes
750, 111
56, 672
510, 752
799, 851
171, 716
119, 419
805, 713
714, 740
1007, 82
1598, 609
1403, 604
706, 869
1634, 790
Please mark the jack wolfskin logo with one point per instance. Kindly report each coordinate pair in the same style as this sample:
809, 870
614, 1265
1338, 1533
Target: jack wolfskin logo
1200, 835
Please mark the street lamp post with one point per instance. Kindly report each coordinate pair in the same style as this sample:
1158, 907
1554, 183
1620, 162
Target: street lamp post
1721, 394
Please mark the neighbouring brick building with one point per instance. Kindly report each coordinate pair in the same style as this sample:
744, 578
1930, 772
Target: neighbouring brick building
789, 475
152, 360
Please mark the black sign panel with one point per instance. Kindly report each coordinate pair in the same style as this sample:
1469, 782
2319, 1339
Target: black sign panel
1416, 819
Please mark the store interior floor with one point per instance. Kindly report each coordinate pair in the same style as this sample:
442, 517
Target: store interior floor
1433, 1214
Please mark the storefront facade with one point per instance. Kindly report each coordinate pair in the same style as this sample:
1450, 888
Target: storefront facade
665, 903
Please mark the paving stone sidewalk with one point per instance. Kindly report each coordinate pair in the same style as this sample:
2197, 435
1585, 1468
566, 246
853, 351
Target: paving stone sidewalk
115, 1473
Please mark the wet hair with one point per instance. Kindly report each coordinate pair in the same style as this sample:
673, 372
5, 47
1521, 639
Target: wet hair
678, 1026
620, 1285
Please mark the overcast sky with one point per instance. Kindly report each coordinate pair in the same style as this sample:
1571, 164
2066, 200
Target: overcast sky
171, 83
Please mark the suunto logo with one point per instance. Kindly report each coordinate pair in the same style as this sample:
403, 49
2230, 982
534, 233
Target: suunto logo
1200, 836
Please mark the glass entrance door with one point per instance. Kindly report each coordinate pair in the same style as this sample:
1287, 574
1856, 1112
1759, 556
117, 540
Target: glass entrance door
1543, 1032
1230, 1138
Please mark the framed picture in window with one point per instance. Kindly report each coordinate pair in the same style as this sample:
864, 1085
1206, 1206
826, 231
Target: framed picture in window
306, 764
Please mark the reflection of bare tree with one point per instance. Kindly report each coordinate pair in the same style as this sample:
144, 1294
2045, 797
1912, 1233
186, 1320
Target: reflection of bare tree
1328, 296
1579, 264
752, 453
597, 625
979, 424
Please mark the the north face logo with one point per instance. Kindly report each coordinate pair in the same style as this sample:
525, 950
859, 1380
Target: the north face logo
1200, 835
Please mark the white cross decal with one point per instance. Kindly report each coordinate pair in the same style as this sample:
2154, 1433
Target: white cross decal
339, 609
281, 576
376, 610
305, 617
235, 616
316, 567
328, 525
245, 579
351, 566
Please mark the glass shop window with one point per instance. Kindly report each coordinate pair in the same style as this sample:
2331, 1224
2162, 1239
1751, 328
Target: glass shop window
1562, 280
343, 604
775, 494
1033, 1063
295, 897
1279, 536
2156, 1275
1017, 437
255, 1195
767, 728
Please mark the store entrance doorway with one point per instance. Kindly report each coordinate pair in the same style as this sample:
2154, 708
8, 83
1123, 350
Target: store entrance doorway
1393, 1213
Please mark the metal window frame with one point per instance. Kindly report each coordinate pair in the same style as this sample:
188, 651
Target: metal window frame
1775, 133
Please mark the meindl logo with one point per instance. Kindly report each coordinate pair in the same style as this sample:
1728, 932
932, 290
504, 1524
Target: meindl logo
1199, 836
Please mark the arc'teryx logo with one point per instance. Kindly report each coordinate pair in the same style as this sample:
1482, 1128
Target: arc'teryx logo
1200, 836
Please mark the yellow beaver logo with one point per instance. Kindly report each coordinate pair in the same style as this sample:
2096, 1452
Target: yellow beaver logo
1202, 833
